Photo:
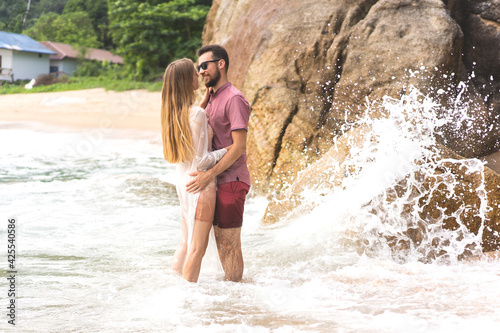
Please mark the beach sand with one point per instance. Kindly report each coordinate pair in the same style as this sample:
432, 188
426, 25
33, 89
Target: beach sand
92, 108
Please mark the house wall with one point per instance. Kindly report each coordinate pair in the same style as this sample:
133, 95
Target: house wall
6, 62
55, 66
67, 65
28, 65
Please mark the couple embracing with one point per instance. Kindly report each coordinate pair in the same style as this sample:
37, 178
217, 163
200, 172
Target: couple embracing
208, 144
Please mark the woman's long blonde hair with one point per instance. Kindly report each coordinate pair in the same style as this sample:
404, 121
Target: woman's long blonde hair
177, 97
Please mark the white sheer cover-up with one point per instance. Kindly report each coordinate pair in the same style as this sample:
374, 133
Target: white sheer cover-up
204, 159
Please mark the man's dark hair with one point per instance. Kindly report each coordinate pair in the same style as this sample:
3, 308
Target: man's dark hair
218, 51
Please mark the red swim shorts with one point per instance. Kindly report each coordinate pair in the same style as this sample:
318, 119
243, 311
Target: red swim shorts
230, 204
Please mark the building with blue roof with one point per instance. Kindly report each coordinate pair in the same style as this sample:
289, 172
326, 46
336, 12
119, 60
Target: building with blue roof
22, 58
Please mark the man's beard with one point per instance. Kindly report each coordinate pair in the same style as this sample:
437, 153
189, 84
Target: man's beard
214, 80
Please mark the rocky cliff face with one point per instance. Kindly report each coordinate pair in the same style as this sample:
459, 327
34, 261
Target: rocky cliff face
307, 67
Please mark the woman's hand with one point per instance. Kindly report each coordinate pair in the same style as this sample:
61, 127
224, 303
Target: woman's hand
206, 97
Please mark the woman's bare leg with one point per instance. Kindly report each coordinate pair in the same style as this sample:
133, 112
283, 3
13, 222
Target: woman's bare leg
201, 230
180, 253
197, 248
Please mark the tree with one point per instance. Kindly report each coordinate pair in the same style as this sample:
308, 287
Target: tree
49, 6
11, 15
97, 11
150, 34
72, 28
13, 12
26, 14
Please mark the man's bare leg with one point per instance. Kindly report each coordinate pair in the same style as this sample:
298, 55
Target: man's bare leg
231, 257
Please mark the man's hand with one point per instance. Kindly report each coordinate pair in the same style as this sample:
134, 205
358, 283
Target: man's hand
204, 177
200, 182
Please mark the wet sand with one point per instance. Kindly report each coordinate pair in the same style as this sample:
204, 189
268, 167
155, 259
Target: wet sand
92, 108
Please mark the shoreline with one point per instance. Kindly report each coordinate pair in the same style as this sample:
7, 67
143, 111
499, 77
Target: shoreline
92, 108
101, 109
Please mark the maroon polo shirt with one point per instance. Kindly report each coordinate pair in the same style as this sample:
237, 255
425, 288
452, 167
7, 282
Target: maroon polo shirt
228, 110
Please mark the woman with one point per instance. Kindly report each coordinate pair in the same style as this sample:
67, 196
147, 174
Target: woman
187, 141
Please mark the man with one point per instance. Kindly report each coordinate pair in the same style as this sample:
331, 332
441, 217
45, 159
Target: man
228, 112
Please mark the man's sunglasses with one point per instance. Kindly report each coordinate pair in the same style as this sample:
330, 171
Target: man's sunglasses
204, 65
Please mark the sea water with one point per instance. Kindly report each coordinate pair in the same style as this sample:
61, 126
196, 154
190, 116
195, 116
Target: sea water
97, 224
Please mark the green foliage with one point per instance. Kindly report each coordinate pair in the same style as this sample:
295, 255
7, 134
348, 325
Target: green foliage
80, 83
94, 68
97, 11
72, 28
12, 12
88, 68
150, 34
47, 6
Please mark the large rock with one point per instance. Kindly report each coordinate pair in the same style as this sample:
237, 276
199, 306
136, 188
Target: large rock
321, 178
472, 201
482, 31
479, 133
308, 66
441, 191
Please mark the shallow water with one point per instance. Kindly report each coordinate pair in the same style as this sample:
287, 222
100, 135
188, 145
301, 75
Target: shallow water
98, 223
